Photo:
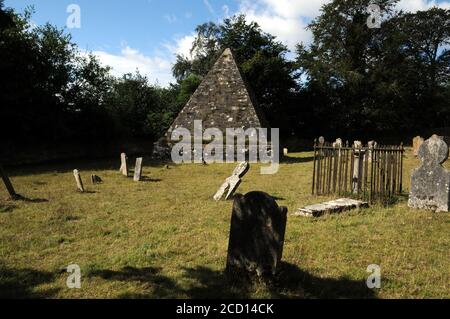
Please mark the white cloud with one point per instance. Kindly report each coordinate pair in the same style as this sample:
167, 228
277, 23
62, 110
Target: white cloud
171, 18
420, 5
181, 45
209, 7
157, 69
287, 19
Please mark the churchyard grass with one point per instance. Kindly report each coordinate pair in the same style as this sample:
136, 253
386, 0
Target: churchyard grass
165, 237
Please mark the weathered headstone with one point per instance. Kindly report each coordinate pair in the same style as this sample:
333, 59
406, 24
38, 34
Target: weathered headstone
257, 231
96, 179
417, 142
138, 170
232, 183
78, 180
370, 146
321, 140
358, 163
338, 143
430, 183
9, 187
124, 164
285, 152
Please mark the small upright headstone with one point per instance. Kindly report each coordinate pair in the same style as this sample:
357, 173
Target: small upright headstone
9, 187
430, 183
417, 142
123, 164
138, 170
96, 179
257, 231
232, 183
78, 180
358, 162
338, 143
370, 146
321, 140
285, 151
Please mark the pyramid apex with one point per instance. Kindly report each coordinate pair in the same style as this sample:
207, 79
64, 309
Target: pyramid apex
227, 51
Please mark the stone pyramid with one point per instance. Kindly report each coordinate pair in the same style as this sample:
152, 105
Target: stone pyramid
221, 101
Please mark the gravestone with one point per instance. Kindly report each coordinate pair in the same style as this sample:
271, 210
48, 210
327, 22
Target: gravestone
331, 207
285, 152
430, 182
321, 140
138, 170
338, 143
370, 146
417, 142
9, 187
257, 231
78, 180
124, 164
358, 164
232, 183
96, 179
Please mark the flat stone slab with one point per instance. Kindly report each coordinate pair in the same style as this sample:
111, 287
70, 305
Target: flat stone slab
331, 207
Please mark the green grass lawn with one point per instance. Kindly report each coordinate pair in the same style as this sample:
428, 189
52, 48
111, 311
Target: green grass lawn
166, 238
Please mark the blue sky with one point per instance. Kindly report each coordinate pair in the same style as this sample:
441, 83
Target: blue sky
146, 34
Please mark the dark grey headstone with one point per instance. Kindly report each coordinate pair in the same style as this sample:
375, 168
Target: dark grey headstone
430, 182
257, 232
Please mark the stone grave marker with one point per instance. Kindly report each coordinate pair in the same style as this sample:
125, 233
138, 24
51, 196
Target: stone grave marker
138, 170
96, 179
371, 145
331, 207
9, 187
257, 231
232, 183
78, 180
285, 152
417, 142
124, 164
430, 183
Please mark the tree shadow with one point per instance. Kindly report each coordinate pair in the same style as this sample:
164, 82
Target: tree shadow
29, 200
206, 283
150, 180
296, 160
7, 208
158, 285
20, 283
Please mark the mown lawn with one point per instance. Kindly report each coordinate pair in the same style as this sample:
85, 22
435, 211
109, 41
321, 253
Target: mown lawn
166, 238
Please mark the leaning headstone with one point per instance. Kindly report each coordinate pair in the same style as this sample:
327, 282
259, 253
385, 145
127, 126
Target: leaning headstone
232, 183
96, 179
430, 183
138, 170
78, 180
417, 142
123, 164
9, 187
257, 231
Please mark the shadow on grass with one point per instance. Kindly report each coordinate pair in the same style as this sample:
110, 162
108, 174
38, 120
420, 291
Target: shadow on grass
20, 283
295, 160
83, 165
291, 282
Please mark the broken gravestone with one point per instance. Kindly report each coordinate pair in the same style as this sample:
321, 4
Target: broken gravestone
138, 170
257, 231
232, 183
331, 207
124, 164
78, 180
417, 142
430, 182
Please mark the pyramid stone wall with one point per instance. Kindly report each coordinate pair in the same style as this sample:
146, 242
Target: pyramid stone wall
221, 101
